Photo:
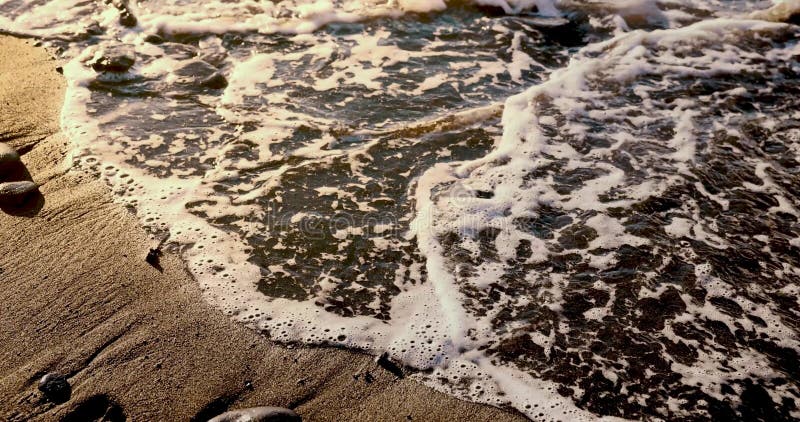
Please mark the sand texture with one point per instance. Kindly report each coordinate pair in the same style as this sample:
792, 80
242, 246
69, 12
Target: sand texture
78, 298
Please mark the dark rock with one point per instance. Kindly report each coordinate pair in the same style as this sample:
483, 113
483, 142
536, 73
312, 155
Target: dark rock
114, 60
215, 81
60, 69
153, 39
14, 193
126, 19
154, 258
55, 387
9, 159
259, 414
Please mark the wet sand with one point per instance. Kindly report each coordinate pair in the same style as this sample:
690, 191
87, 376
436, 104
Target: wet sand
77, 297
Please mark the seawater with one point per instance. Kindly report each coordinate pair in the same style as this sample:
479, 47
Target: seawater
576, 209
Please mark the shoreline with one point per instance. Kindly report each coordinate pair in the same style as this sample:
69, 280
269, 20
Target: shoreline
78, 298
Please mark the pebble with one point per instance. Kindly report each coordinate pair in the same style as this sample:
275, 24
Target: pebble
114, 60
153, 39
126, 19
14, 193
258, 414
215, 81
9, 158
55, 387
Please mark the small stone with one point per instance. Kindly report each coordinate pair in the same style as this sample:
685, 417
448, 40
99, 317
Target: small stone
60, 69
215, 81
153, 39
154, 257
9, 159
14, 193
114, 60
126, 19
259, 414
55, 387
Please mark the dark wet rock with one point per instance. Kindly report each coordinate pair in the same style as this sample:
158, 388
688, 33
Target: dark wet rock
55, 387
154, 258
201, 73
114, 60
215, 81
14, 193
153, 39
258, 414
127, 19
9, 159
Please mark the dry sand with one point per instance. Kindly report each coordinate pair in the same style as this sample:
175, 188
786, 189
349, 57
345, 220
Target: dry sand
77, 297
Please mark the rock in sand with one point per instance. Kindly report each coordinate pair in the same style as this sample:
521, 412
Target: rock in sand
9, 159
14, 193
55, 387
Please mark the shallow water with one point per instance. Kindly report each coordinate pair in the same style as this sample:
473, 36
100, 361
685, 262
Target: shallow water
575, 209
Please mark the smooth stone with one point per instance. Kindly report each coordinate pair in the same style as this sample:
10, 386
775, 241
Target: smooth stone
215, 81
258, 414
114, 60
9, 158
153, 39
127, 19
13, 193
55, 386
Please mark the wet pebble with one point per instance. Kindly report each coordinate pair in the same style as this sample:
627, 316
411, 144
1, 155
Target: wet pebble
14, 193
55, 387
114, 60
215, 81
126, 19
153, 39
258, 414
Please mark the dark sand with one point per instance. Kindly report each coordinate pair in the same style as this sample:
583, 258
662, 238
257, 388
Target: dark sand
77, 297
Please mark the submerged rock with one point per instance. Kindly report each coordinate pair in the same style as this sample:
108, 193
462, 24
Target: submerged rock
113, 60
9, 159
259, 414
55, 387
14, 193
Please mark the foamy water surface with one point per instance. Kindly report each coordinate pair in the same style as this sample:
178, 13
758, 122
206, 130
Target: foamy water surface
575, 209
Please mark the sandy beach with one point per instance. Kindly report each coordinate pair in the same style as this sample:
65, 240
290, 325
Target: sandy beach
137, 344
